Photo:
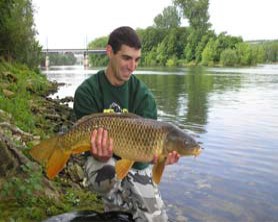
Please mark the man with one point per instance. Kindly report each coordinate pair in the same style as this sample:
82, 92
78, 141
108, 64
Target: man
118, 89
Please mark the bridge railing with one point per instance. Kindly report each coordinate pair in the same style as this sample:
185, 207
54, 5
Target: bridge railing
75, 51
85, 52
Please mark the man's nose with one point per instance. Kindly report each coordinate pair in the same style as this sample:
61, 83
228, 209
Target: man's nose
132, 65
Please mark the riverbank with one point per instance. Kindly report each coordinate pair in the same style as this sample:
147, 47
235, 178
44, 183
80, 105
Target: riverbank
28, 115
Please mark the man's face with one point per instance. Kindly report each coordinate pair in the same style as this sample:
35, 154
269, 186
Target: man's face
123, 63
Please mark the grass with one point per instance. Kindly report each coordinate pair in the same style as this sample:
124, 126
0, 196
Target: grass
23, 195
27, 87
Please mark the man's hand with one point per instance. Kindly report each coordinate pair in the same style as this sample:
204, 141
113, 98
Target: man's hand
101, 145
172, 158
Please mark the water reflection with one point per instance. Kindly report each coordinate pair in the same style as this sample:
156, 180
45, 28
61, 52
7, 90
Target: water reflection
233, 111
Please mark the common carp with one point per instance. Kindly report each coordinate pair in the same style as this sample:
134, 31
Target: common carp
135, 139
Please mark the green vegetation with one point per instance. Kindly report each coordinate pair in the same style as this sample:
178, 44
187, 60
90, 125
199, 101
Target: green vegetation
26, 116
167, 43
25, 198
17, 33
21, 188
25, 193
57, 59
169, 18
20, 90
96, 59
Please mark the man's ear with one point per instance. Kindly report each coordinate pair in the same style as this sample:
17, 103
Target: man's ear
109, 50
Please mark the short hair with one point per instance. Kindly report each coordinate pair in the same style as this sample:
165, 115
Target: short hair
124, 35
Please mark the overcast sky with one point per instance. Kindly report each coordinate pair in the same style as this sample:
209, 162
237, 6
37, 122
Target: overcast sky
72, 23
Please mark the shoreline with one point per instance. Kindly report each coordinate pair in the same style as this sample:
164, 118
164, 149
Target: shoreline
28, 115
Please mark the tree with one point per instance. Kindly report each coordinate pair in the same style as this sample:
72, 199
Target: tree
196, 11
17, 31
202, 44
271, 51
168, 19
5, 12
98, 59
229, 57
223, 42
244, 53
208, 54
62, 58
151, 38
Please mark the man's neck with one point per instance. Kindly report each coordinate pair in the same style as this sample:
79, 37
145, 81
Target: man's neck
111, 77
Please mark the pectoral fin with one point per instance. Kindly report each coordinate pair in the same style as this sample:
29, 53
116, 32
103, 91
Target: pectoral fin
158, 169
122, 167
80, 148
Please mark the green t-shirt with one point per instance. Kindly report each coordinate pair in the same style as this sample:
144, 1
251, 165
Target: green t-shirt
96, 94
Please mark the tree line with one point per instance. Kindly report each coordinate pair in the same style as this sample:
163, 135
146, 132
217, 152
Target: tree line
17, 33
167, 43
62, 59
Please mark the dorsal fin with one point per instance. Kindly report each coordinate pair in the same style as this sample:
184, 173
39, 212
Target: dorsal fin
100, 115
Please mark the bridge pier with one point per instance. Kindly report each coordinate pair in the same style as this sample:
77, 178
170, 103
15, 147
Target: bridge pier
46, 61
86, 60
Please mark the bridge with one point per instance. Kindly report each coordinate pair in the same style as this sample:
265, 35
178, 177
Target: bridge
85, 52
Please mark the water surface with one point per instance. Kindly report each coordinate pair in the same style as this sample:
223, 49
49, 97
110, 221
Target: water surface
234, 113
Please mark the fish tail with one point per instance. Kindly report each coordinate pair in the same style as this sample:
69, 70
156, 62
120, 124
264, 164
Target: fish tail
43, 151
56, 163
50, 155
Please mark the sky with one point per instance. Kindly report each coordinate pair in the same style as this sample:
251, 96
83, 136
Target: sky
74, 23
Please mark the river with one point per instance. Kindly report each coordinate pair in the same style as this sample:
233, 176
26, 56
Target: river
233, 112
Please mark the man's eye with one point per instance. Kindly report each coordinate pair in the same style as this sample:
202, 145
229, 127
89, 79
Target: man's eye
126, 57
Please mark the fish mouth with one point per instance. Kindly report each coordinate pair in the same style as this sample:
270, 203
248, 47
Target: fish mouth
197, 150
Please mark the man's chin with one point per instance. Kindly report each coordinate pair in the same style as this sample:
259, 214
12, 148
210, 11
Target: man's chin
126, 77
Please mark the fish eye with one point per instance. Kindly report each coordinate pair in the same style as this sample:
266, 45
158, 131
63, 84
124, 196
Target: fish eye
186, 142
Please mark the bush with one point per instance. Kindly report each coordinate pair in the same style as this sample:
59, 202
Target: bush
229, 57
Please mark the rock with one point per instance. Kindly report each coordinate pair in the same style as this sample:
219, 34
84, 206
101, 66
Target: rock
67, 99
9, 76
75, 172
8, 93
11, 157
4, 116
8, 161
17, 133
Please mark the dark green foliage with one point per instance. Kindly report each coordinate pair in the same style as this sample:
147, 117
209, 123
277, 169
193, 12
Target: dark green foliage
98, 59
196, 11
62, 59
216, 45
271, 51
229, 57
168, 44
27, 87
23, 188
169, 18
17, 32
